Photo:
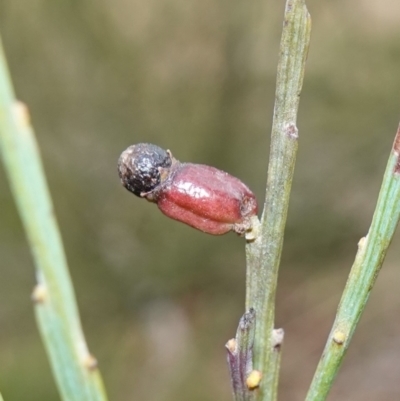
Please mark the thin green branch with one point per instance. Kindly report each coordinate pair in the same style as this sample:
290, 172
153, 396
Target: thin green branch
75, 369
368, 262
263, 254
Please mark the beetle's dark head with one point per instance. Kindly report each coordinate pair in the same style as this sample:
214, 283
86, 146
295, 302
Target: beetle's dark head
142, 167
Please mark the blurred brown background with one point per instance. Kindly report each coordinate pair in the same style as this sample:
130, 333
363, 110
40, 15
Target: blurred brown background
158, 299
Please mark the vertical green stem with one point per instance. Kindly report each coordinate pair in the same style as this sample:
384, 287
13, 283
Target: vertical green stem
75, 369
368, 262
263, 254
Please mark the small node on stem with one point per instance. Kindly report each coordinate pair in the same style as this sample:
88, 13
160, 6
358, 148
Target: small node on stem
291, 131
361, 243
396, 150
339, 337
396, 143
231, 345
253, 379
22, 113
277, 338
254, 231
39, 294
90, 362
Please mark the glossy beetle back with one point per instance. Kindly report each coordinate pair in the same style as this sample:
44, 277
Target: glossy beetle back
140, 167
208, 199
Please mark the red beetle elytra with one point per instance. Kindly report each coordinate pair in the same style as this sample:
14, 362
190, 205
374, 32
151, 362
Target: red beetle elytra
201, 196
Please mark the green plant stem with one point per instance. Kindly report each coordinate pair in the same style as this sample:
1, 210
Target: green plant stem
368, 262
263, 254
75, 369
1, 398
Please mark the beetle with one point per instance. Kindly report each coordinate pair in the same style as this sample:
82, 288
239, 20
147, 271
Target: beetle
201, 196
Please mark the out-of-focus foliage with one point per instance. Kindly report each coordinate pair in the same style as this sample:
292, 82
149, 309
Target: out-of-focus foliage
159, 299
